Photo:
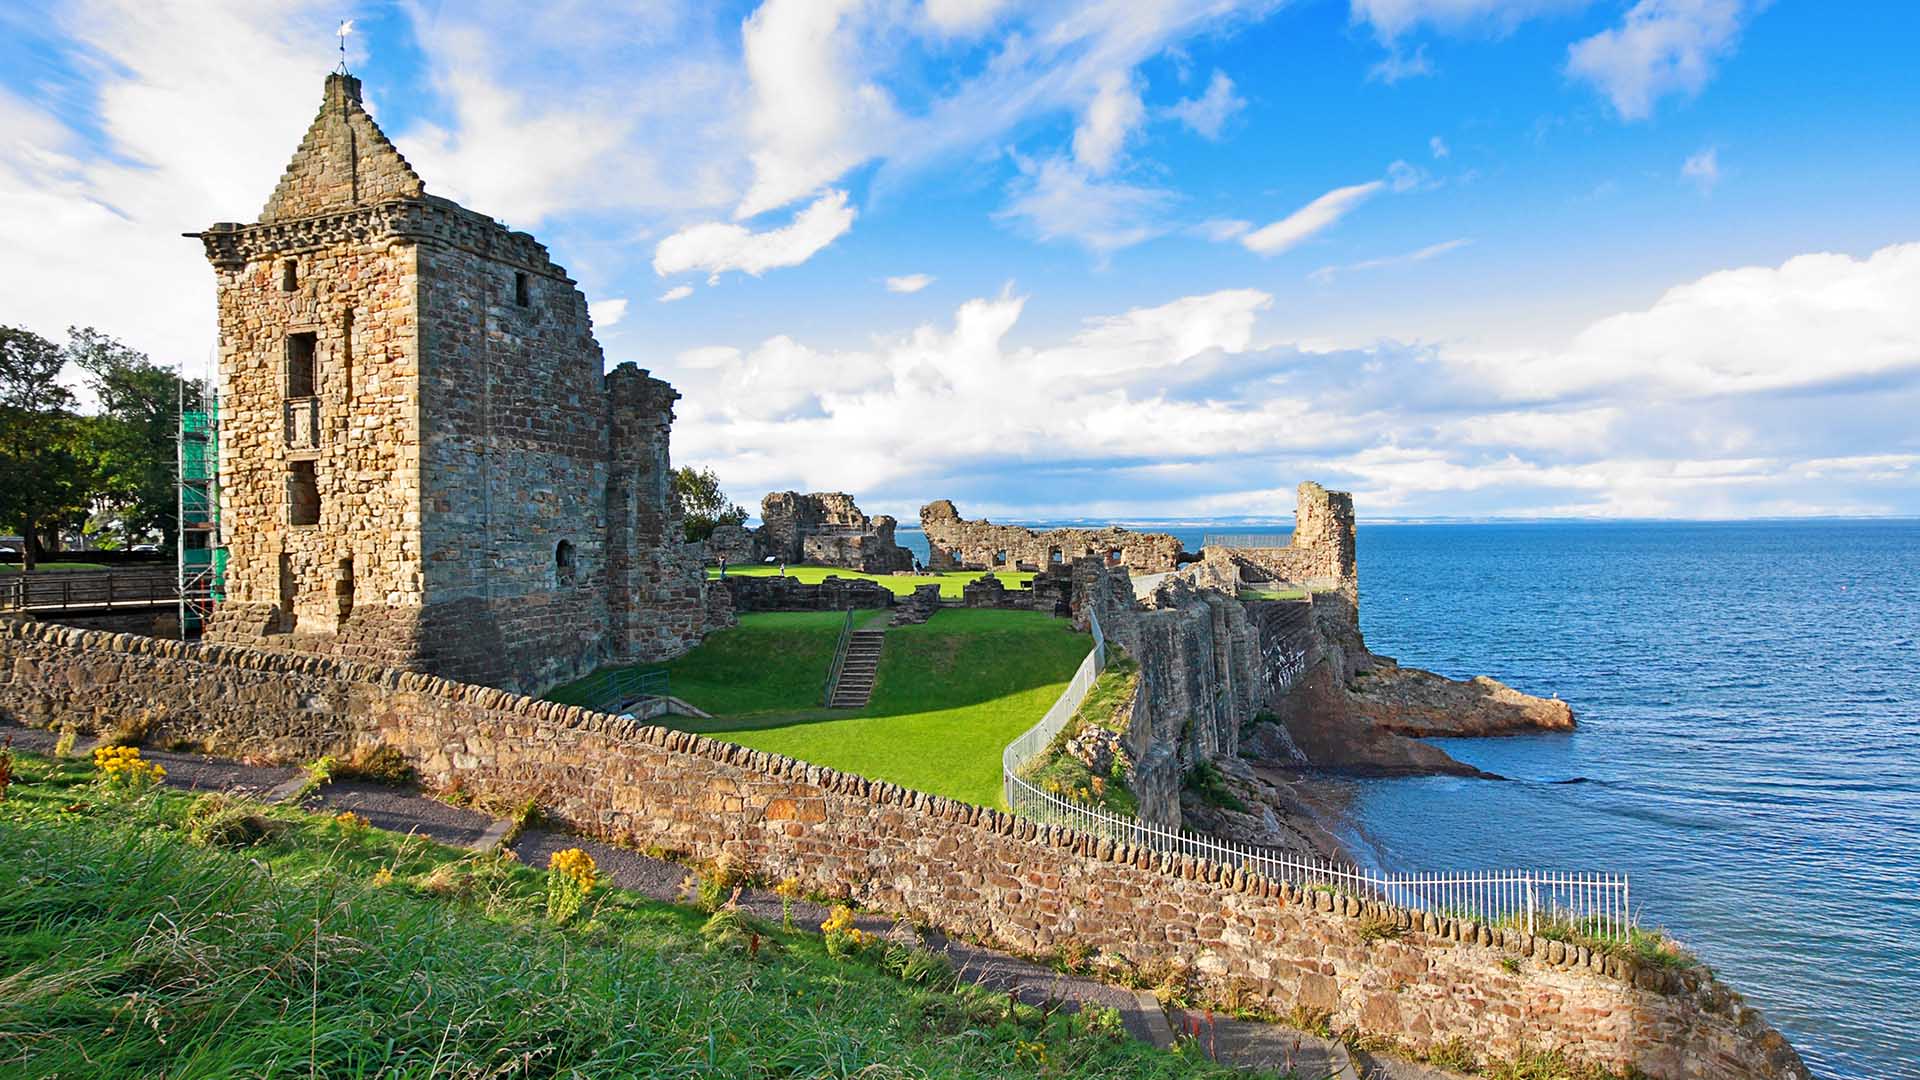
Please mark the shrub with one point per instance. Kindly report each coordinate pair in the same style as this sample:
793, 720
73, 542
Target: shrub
571, 875
122, 771
130, 731
63, 746
221, 820
374, 762
1207, 781
842, 938
788, 891
733, 930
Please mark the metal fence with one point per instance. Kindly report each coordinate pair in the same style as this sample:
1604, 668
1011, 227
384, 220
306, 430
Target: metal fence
839, 659
87, 589
613, 690
1247, 540
1594, 904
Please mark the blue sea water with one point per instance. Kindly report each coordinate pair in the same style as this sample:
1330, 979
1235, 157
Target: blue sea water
1749, 744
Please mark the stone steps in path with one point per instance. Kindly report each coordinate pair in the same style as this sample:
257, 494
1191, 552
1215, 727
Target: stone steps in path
854, 688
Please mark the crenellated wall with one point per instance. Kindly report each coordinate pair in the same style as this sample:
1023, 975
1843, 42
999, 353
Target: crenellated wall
967, 869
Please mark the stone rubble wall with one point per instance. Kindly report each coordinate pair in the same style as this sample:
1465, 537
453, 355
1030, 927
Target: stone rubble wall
1319, 557
955, 544
969, 870
826, 528
771, 593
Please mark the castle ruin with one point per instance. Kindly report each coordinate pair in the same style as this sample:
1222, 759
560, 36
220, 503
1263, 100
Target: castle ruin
424, 462
955, 544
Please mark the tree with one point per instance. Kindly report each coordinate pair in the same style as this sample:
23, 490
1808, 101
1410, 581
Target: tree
134, 438
702, 503
46, 473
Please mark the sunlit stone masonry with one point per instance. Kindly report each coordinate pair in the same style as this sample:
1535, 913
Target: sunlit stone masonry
423, 460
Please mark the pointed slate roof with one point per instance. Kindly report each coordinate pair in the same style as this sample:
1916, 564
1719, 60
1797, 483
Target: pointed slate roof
345, 161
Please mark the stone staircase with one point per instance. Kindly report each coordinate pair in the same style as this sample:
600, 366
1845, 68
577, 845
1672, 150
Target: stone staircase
854, 688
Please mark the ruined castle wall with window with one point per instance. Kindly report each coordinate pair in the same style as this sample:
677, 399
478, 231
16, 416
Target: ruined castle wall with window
424, 463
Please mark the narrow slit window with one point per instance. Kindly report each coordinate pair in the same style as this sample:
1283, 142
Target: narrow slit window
346, 355
300, 356
522, 289
303, 494
289, 275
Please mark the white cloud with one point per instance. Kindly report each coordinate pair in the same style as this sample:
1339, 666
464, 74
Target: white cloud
1399, 65
608, 312
1221, 230
1113, 115
717, 247
1392, 18
1431, 251
1303, 223
678, 292
1207, 114
964, 18
1439, 148
909, 283
1703, 169
1814, 320
813, 116
1055, 199
1663, 47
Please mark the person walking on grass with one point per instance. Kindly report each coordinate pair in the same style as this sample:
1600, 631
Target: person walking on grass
783, 568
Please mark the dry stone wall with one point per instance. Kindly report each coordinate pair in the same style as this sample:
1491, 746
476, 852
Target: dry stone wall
967, 869
955, 544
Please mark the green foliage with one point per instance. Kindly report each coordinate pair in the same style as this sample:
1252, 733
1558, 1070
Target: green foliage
704, 506
1379, 927
130, 951
220, 820
375, 763
46, 470
1206, 780
1545, 1065
133, 439
1455, 1053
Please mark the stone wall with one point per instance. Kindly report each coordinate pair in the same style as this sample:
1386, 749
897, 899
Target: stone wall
969, 870
955, 544
1050, 591
736, 544
826, 528
772, 593
1320, 555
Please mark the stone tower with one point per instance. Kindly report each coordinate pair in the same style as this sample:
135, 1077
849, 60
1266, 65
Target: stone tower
423, 462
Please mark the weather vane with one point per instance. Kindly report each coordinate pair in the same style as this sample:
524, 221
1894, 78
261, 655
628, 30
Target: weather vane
346, 27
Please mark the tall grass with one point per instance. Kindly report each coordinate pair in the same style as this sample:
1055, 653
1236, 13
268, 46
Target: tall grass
127, 950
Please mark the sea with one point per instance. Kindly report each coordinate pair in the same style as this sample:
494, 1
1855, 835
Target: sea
1748, 749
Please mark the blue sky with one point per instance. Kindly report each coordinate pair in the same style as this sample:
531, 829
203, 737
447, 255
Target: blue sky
1615, 258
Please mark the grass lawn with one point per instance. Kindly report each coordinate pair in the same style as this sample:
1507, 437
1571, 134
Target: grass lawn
330, 949
1248, 593
45, 567
773, 662
950, 694
950, 582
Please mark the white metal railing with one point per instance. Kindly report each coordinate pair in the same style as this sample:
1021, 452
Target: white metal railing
1595, 904
1247, 540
